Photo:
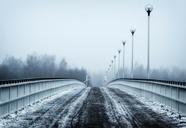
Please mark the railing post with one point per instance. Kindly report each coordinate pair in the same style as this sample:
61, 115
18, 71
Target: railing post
9, 99
24, 104
178, 94
29, 93
17, 97
171, 96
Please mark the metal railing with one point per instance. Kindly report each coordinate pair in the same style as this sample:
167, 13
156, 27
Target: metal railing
15, 81
16, 94
170, 82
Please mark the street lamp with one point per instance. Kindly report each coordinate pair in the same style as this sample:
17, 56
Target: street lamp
124, 42
107, 74
110, 72
132, 32
114, 66
148, 9
119, 51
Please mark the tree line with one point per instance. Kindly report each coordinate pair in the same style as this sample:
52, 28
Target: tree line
38, 66
173, 74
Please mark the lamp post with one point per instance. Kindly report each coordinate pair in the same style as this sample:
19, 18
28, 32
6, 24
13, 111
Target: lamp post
114, 66
119, 51
110, 72
106, 76
148, 9
132, 32
124, 42
87, 80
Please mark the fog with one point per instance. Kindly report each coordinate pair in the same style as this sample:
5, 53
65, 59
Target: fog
39, 66
88, 32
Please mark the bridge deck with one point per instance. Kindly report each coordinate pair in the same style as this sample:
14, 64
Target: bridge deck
93, 108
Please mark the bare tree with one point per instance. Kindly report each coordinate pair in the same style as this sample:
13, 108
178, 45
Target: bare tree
38, 66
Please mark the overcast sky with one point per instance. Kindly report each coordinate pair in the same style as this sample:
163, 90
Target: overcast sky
89, 32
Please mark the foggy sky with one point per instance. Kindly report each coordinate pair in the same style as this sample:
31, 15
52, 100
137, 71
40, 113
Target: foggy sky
88, 33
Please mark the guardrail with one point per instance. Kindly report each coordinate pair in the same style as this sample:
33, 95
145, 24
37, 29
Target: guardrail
16, 95
14, 81
171, 82
168, 93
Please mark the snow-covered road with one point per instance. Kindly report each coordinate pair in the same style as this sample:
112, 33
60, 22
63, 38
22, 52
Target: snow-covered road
127, 111
89, 108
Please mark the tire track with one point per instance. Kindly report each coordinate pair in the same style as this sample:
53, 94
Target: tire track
93, 112
121, 117
50, 118
63, 118
142, 115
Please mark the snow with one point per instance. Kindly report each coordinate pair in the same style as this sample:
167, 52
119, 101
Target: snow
119, 109
73, 108
16, 116
155, 106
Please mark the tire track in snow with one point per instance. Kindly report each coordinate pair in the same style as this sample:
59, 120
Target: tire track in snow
117, 113
142, 115
64, 118
93, 112
57, 116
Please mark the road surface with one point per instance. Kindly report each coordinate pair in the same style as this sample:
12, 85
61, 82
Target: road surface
93, 108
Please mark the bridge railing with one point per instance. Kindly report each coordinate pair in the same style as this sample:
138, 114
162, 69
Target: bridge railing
170, 93
15, 95
168, 82
15, 81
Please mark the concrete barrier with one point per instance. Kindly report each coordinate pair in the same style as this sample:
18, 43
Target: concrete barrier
171, 95
18, 95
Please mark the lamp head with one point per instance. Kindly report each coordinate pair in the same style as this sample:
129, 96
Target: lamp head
132, 31
123, 42
148, 9
119, 51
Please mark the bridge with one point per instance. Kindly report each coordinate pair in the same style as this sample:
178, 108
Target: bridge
56, 94
56, 102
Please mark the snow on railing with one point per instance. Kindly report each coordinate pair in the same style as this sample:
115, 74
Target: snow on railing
20, 93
